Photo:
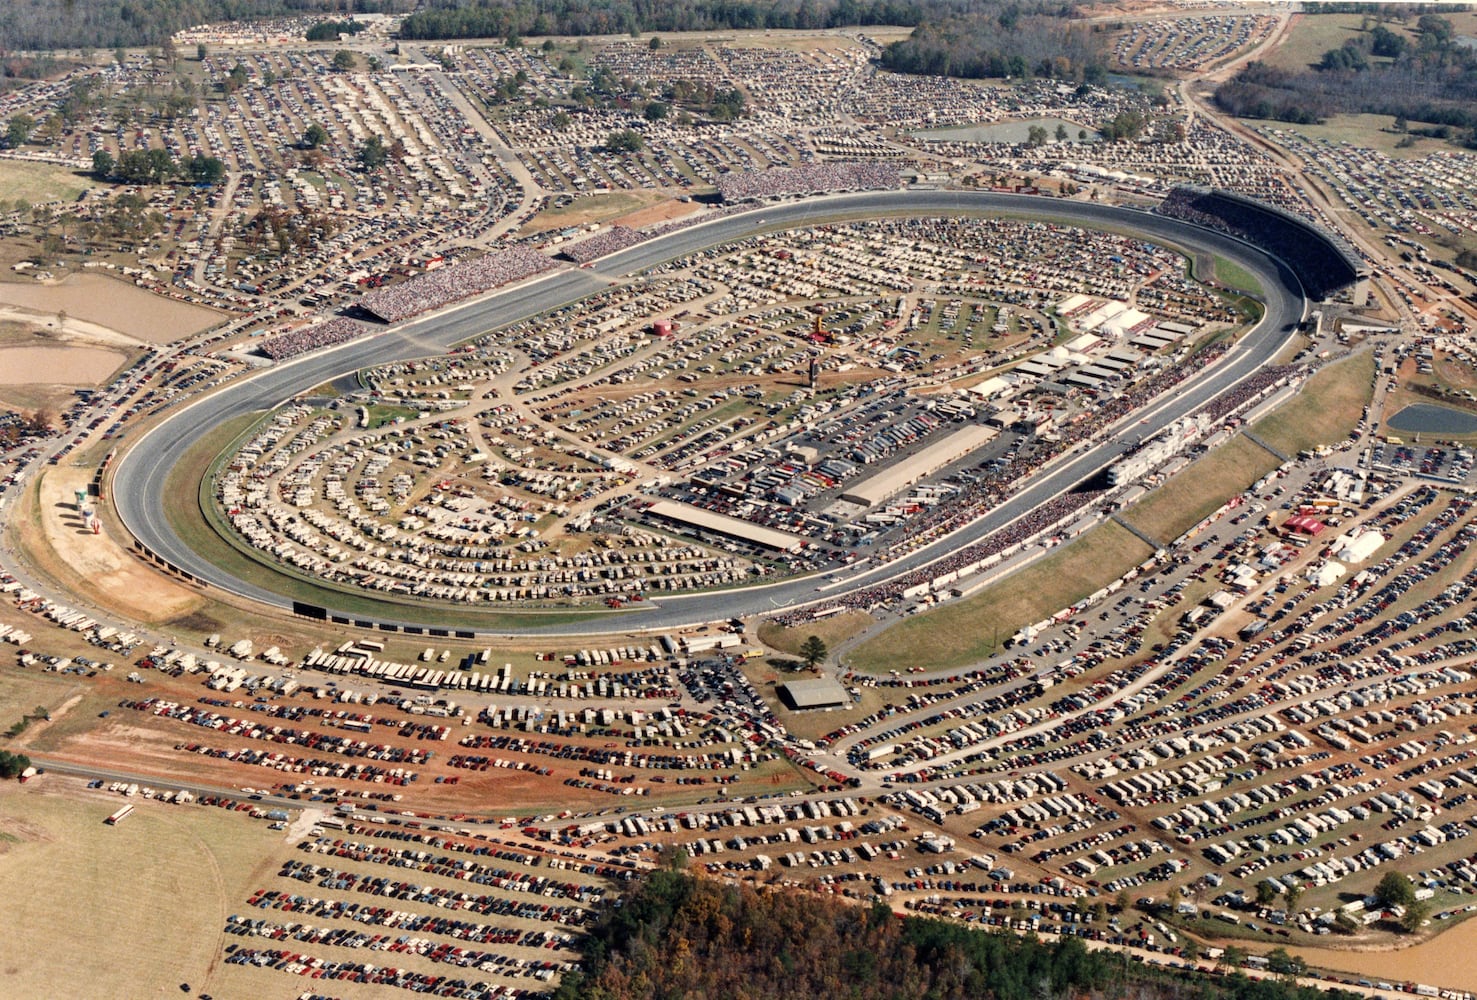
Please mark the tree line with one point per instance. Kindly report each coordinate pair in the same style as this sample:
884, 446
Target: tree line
676, 935
1001, 42
156, 166
38, 25
499, 18
1426, 74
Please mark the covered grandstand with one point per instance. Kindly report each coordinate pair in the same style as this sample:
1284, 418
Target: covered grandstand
1324, 263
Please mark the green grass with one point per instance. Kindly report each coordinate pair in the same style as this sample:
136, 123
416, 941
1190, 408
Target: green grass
967, 631
1324, 410
41, 182
1190, 495
1233, 275
1310, 36
381, 414
831, 631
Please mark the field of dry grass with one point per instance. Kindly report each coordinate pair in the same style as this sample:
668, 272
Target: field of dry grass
967, 631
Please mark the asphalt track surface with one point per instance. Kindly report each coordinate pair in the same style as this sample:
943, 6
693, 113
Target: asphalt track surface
139, 483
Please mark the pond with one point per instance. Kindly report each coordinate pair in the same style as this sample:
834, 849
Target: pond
1426, 418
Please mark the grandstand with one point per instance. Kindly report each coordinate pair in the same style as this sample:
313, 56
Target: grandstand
1322, 261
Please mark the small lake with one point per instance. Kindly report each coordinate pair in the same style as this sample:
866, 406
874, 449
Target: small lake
1426, 418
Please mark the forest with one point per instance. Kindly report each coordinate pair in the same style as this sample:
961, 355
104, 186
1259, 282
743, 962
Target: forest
1427, 75
677, 935
501, 18
39, 25
1001, 43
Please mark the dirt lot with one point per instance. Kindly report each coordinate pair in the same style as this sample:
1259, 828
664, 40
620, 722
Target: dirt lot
112, 303
661, 212
57, 365
97, 565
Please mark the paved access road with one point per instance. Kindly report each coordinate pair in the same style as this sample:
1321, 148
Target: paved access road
140, 479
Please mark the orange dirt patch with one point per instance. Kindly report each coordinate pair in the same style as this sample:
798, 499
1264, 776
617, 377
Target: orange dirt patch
660, 212
100, 565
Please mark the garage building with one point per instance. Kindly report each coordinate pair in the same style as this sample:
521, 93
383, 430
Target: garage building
905, 472
821, 692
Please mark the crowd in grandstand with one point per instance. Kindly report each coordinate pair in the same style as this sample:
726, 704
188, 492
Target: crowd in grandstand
607, 241
446, 285
1315, 257
311, 338
1043, 518
1246, 390
812, 178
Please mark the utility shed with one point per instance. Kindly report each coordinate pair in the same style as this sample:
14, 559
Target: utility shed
821, 692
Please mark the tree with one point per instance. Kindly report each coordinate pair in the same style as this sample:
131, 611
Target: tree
1036, 136
1234, 956
1280, 963
18, 130
656, 110
1265, 893
1415, 914
203, 169
235, 80
1395, 889
1061, 132
12, 764
343, 60
624, 141
374, 153
813, 651
1384, 42
201, 52
103, 164
315, 136
655, 43
1294, 895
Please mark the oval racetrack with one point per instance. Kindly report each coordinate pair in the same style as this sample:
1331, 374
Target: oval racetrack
139, 485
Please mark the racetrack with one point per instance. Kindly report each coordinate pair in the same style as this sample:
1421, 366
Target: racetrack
139, 484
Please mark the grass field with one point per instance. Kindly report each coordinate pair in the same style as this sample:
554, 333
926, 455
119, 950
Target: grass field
967, 631
1193, 493
132, 910
41, 182
837, 628
1324, 411
1311, 35
1372, 131
589, 208
1233, 275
